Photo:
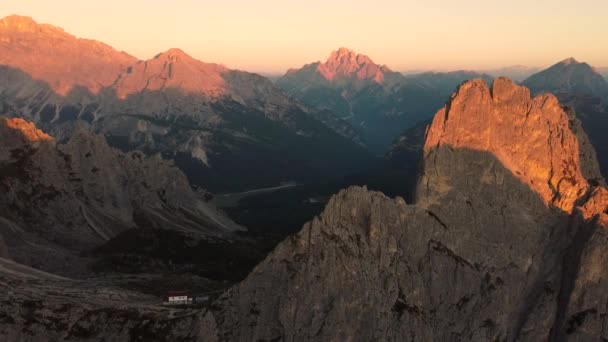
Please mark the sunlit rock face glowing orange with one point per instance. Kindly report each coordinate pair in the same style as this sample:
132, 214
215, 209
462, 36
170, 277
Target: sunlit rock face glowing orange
345, 64
17, 135
172, 69
24, 128
534, 138
49, 54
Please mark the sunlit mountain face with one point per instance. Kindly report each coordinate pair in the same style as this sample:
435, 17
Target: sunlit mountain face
213, 121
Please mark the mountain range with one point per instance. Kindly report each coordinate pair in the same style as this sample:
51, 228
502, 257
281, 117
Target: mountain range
211, 120
377, 101
114, 173
504, 241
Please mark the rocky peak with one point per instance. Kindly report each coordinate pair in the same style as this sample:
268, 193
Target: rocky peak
568, 61
173, 69
17, 23
345, 63
63, 61
345, 56
534, 138
175, 55
569, 77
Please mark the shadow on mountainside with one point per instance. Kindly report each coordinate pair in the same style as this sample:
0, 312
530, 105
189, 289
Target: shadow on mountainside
481, 257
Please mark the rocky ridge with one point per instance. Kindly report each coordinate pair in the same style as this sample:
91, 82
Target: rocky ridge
93, 65
568, 76
88, 193
206, 117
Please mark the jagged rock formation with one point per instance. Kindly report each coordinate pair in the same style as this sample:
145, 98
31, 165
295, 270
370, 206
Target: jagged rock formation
535, 139
343, 66
61, 199
505, 241
380, 103
579, 86
211, 120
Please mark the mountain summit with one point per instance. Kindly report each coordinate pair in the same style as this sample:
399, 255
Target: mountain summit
49, 54
569, 76
378, 102
344, 65
23, 24
172, 69
541, 143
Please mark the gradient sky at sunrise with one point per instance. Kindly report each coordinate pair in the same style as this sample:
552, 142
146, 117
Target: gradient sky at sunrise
271, 36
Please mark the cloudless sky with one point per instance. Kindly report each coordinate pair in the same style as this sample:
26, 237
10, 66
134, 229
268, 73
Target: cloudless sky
273, 35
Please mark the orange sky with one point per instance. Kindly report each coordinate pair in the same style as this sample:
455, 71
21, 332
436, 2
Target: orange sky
271, 36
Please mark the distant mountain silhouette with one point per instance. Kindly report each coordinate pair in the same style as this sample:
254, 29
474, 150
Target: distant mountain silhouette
569, 76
